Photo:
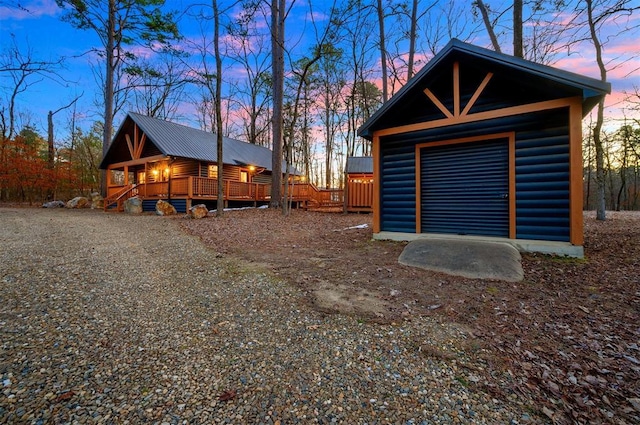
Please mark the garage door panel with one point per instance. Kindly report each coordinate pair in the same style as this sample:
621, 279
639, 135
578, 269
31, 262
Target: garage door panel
464, 188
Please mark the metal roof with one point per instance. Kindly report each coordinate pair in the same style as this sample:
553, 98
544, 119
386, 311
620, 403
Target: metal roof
359, 165
182, 141
593, 89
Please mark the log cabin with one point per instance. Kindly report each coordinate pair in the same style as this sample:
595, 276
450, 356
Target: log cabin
480, 144
156, 159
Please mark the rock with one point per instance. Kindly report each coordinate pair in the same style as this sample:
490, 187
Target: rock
97, 201
53, 204
198, 211
165, 208
78, 202
133, 205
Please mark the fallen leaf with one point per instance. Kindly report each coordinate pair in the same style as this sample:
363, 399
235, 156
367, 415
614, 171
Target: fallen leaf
65, 396
585, 309
548, 412
227, 395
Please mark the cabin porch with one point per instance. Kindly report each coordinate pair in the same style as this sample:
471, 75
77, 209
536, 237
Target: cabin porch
191, 190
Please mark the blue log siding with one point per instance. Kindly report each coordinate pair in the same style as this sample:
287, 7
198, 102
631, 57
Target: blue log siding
541, 172
542, 184
179, 204
398, 187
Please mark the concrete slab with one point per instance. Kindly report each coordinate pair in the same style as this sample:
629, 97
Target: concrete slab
562, 249
472, 259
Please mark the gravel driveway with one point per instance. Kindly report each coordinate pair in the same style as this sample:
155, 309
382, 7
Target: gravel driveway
111, 318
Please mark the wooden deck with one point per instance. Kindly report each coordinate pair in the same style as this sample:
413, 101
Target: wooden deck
199, 189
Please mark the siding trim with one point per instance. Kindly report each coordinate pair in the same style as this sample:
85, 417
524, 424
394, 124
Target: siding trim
576, 230
376, 184
481, 116
136, 161
511, 138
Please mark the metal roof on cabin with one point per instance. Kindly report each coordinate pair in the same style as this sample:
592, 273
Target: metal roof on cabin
592, 89
182, 141
360, 165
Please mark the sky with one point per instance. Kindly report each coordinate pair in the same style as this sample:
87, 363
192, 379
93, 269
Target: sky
42, 30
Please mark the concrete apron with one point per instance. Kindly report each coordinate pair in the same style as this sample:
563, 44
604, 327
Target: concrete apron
471, 259
563, 249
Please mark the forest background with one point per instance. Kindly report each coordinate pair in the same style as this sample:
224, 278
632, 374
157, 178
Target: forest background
65, 84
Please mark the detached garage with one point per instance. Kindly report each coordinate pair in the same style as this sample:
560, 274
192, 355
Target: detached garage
482, 144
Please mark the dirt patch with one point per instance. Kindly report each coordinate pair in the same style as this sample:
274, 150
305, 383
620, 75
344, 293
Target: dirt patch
566, 339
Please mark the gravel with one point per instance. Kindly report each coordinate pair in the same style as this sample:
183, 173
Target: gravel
112, 318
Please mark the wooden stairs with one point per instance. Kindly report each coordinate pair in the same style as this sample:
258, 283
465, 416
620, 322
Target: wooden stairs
115, 202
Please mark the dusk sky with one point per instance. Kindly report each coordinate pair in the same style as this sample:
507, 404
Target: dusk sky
50, 38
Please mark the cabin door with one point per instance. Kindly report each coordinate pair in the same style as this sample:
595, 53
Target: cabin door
464, 188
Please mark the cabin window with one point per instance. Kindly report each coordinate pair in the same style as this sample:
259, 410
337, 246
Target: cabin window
160, 173
244, 176
117, 178
142, 177
213, 171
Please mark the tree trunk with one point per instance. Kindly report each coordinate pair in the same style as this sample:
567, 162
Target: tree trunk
50, 151
108, 91
218, 112
329, 133
277, 52
600, 177
412, 38
517, 29
383, 53
487, 23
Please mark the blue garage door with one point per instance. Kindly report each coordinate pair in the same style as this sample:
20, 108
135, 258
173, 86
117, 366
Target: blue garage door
465, 187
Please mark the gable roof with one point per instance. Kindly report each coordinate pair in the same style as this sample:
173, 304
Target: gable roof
181, 141
359, 165
592, 89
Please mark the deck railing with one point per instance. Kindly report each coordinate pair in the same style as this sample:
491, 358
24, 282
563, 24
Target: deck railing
118, 195
204, 187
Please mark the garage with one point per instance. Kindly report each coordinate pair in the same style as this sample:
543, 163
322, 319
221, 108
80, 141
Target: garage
485, 145
464, 188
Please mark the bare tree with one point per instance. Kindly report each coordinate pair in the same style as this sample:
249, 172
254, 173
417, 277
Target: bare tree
158, 88
489, 25
218, 97
118, 24
250, 52
383, 51
50, 132
360, 59
278, 17
22, 70
608, 10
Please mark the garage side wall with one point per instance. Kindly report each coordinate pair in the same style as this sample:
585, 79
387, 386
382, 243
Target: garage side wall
541, 172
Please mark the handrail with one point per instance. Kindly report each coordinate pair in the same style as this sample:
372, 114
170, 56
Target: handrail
116, 197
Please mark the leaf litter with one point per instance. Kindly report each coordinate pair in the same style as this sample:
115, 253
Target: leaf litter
565, 341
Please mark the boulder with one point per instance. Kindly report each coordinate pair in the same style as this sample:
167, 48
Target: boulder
53, 204
198, 211
97, 201
133, 205
165, 208
78, 202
